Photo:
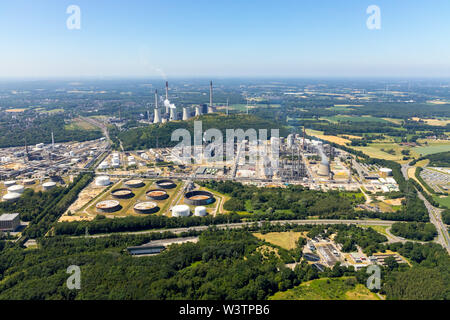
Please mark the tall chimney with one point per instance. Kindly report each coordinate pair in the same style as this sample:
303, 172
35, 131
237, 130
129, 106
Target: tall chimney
211, 107
167, 90
156, 99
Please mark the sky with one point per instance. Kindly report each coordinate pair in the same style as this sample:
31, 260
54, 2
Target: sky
224, 38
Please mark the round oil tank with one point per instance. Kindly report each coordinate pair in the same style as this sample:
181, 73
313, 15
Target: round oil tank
28, 182
108, 206
157, 194
11, 196
200, 212
166, 184
134, 183
122, 193
9, 183
181, 210
147, 207
198, 198
16, 189
102, 181
49, 185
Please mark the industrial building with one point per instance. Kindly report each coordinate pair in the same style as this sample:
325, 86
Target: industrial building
9, 222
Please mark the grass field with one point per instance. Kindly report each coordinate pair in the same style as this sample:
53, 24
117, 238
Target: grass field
286, 240
432, 148
374, 150
396, 121
338, 118
444, 201
327, 289
79, 124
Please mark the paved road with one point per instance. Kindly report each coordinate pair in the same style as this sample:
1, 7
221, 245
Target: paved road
244, 224
435, 216
436, 219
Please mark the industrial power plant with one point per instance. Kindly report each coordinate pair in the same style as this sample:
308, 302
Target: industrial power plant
170, 111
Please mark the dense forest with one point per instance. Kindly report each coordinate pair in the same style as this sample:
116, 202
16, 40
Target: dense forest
297, 202
159, 135
415, 231
38, 128
223, 265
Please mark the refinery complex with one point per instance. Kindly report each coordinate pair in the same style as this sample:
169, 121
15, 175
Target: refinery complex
160, 180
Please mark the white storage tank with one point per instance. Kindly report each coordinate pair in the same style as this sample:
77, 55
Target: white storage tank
28, 181
104, 165
200, 211
16, 189
9, 183
181, 210
11, 196
102, 181
49, 185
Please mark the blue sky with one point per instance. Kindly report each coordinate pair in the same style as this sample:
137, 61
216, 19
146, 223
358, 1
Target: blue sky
224, 38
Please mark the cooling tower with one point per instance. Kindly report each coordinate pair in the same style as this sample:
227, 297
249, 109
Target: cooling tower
173, 114
186, 114
324, 167
198, 111
157, 118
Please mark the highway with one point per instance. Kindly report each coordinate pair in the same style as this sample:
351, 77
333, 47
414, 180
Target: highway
260, 223
436, 219
435, 216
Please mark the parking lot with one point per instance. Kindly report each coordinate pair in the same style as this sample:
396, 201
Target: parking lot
438, 180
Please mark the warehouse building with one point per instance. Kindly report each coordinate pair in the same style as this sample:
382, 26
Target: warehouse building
9, 222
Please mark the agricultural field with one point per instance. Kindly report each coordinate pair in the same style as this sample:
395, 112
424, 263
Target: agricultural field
434, 122
338, 118
344, 288
285, 240
17, 110
395, 121
79, 124
432, 147
334, 139
375, 150
344, 107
